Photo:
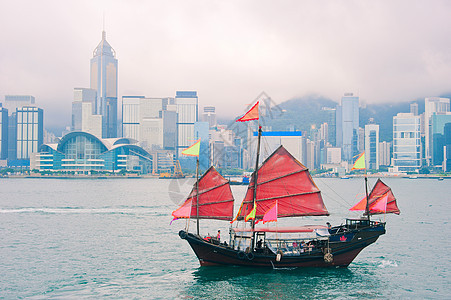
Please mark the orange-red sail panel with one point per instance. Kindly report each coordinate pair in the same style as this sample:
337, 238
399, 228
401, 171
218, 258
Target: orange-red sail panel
215, 197
283, 179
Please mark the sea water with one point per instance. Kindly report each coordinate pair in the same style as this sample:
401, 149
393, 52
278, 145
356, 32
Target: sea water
112, 238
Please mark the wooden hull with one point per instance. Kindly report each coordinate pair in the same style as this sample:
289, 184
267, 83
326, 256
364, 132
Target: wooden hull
344, 248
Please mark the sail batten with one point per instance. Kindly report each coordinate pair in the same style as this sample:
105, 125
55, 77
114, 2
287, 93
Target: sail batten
284, 196
284, 179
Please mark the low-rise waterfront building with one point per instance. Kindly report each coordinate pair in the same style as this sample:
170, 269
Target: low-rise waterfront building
84, 152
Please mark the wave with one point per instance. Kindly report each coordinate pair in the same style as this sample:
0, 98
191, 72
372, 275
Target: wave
387, 263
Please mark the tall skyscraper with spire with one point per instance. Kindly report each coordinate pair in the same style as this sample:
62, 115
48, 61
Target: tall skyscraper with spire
104, 81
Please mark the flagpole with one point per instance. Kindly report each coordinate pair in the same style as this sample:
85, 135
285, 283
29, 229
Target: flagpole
197, 193
255, 182
367, 200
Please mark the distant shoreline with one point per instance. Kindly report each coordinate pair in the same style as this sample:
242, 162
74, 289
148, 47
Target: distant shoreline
92, 177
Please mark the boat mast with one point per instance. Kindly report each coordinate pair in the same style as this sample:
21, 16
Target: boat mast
197, 194
255, 181
367, 200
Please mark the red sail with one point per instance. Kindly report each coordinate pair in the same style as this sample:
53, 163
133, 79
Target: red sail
380, 189
283, 178
215, 197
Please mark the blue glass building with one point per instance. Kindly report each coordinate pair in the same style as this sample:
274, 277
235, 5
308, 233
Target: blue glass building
347, 116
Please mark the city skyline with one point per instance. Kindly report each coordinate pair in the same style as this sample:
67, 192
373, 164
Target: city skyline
382, 51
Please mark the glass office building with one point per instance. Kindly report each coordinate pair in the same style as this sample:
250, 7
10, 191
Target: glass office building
406, 142
104, 81
438, 123
347, 126
187, 114
372, 146
29, 130
3, 132
82, 152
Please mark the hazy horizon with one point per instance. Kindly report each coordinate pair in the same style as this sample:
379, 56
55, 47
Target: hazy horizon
229, 52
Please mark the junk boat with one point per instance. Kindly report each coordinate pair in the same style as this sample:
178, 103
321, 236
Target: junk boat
281, 187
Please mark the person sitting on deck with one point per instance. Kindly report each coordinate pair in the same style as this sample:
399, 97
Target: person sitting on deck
259, 243
302, 246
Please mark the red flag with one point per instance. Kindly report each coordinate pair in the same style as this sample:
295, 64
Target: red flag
252, 114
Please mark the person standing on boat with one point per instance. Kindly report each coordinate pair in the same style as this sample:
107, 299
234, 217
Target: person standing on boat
218, 236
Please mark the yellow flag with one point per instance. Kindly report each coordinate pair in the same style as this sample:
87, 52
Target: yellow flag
193, 150
359, 162
251, 215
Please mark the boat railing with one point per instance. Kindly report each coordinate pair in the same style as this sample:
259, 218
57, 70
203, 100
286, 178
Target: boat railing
294, 246
354, 224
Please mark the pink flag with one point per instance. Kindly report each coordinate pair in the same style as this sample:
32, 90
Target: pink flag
183, 211
271, 214
381, 205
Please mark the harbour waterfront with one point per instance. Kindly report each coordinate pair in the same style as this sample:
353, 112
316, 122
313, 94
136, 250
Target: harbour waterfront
112, 239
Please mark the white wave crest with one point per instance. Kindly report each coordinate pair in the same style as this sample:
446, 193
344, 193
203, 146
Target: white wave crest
388, 263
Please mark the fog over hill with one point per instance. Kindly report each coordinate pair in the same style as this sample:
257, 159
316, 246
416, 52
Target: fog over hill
305, 112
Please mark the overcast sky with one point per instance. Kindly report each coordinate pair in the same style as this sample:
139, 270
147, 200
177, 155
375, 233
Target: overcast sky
228, 51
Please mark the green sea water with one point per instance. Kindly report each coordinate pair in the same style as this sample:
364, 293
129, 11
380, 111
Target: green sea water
75, 239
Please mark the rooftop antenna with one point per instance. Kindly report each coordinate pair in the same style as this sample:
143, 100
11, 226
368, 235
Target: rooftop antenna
103, 27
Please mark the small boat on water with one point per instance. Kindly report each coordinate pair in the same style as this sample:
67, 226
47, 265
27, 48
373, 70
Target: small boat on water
244, 181
281, 187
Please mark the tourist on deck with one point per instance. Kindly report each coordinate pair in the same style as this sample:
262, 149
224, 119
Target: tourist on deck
218, 236
259, 243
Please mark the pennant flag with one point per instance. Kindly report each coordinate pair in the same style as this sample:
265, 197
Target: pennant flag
252, 114
381, 205
271, 214
239, 212
183, 211
359, 163
193, 150
251, 215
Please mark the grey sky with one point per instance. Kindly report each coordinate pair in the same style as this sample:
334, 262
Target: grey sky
228, 51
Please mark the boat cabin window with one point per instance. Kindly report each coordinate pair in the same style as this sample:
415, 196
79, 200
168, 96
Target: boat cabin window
350, 223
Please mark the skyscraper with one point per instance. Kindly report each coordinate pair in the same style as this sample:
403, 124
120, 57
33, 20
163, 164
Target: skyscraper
372, 146
83, 112
432, 105
104, 81
15, 101
209, 115
12, 103
30, 130
3, 132
406, 142
151, 121
437, 142
187, 114
384, 153
347, 116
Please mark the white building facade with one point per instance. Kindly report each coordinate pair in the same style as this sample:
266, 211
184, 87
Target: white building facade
406, 142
